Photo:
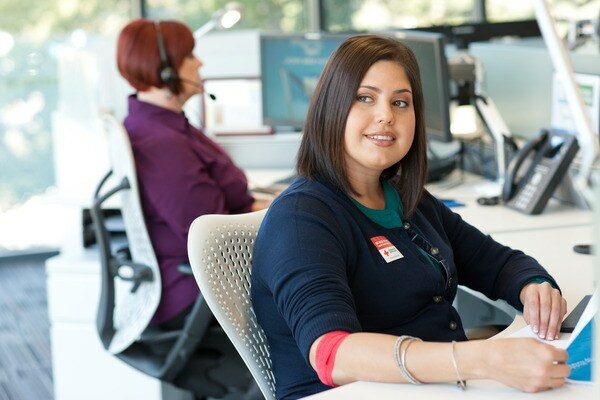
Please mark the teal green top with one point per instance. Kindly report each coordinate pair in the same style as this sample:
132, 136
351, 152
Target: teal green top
391, 217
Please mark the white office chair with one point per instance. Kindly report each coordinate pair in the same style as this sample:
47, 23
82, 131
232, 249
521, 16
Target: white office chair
131, 285
133, 309
220, 252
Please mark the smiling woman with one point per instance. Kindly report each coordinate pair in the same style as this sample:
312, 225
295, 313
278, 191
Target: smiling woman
367, 100
355, 263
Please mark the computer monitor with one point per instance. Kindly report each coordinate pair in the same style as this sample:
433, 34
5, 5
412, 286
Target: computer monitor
291, 66
433, 66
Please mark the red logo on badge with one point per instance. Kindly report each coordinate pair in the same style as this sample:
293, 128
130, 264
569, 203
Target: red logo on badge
381, 242
388, 251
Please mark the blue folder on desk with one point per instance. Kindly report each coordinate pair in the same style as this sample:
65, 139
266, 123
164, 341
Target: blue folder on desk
580, 354
451, 203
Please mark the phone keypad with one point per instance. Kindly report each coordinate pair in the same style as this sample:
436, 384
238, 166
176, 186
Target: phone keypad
526, 194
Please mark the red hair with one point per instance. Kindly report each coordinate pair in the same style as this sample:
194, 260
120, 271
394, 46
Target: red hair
138, 58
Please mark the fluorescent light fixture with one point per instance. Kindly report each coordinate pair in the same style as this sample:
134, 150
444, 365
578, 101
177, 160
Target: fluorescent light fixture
223, 18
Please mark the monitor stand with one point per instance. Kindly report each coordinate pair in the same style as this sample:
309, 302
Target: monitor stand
442, 159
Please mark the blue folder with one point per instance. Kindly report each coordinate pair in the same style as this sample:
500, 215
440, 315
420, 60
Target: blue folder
580, 354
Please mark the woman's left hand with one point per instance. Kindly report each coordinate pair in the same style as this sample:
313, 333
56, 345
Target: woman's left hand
543, 309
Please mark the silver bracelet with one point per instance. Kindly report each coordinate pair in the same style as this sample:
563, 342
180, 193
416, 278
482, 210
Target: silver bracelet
403, 359
400, 360
461, 383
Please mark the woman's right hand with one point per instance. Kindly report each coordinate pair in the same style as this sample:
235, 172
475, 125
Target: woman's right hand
526, 364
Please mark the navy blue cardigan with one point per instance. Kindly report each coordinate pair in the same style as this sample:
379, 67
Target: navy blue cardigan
315, 270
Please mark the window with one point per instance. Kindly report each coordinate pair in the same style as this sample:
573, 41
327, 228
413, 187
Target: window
365, 15
276, 15
501, 10
32, 36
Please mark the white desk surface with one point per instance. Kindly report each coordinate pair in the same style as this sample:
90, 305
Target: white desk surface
495, 219
477, 390
264, 177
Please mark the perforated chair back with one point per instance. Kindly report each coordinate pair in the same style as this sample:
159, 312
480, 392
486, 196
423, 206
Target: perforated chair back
220, 252
133, 310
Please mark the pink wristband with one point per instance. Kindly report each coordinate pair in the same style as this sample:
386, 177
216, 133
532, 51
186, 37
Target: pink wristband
326, 351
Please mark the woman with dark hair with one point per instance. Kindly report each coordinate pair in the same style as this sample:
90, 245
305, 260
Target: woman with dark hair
356, 266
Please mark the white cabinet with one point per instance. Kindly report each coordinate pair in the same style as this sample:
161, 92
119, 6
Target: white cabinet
82, 369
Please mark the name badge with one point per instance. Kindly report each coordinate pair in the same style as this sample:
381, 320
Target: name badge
388, 251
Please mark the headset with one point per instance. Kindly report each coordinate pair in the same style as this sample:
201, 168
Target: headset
167, 73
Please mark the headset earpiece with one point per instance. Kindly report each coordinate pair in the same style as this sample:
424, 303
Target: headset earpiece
168, 75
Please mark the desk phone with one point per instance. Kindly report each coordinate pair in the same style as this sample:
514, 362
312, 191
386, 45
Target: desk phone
545, 159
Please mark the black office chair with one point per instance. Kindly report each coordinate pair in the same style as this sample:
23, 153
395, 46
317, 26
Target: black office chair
131, 290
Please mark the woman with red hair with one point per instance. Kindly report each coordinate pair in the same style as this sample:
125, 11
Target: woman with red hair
182, 173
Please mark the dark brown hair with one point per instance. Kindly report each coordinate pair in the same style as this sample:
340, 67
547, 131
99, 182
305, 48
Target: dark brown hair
321, 153
138, 56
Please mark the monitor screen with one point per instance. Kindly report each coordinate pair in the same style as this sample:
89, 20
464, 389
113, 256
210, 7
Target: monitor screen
291, 66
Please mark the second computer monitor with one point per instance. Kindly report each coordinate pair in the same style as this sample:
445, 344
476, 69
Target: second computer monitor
433, 66
291, 66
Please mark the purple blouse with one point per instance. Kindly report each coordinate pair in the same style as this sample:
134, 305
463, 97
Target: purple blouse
182, 174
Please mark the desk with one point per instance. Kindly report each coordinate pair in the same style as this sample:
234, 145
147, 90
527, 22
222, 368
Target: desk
264, 177
549, 238
477, 390
498, 219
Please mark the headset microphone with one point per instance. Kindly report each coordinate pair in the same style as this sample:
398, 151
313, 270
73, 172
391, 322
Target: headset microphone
197, 84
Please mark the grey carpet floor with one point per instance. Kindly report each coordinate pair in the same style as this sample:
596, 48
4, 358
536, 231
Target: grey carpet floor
25, 361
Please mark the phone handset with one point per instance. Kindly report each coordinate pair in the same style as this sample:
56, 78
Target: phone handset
534, 144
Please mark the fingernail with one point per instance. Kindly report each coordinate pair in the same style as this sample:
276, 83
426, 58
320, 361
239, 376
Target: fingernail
542, 335
535, 328
556, 337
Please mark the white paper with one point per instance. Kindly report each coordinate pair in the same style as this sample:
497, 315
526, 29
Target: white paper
565, 339
562, 342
